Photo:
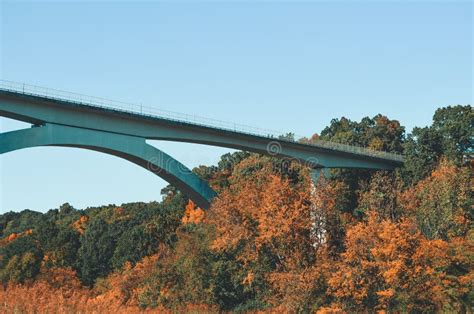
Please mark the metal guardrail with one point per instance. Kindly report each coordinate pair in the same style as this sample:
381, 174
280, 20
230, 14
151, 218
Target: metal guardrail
60, 95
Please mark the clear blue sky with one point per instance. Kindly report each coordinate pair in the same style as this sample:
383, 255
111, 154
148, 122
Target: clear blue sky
279, 65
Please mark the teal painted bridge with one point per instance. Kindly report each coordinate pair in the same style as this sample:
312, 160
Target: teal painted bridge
72, 120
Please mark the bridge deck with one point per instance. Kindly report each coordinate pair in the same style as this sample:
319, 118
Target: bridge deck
137, 111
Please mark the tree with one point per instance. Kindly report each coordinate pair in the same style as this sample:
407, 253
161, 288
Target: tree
456, 126
19, 222
59, 243
382, 195
96, 251
66, 209
451, 135
21, 260
272, 241
134, 244
442, 204
422, 151
377, 133
265, 221
192, 214
393, 267
189, 274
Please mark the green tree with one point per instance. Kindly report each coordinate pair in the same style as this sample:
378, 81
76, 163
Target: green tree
59, 243
423, 148
19, 222
451, 134
133, 245
96, 251
21, 260
456, 126
377, 133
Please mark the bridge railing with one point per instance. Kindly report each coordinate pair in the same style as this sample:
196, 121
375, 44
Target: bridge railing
56, 94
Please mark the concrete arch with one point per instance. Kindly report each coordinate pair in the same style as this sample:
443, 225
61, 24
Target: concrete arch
131, 148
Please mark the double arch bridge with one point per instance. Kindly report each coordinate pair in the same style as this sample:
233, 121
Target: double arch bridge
60, 121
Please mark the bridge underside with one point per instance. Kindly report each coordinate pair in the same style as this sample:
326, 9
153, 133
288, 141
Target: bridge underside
120, 133
40, 110
133, 149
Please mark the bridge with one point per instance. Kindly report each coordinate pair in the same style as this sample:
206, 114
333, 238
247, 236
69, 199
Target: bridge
72, 120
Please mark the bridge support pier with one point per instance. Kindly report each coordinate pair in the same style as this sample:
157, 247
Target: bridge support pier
316, 174
131, 148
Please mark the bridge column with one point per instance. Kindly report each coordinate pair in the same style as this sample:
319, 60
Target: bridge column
131, 148
316, 175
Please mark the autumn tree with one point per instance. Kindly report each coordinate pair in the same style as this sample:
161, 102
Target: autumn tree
382, 195
442, 204
393, 267
265, 221
192, 214
273, 241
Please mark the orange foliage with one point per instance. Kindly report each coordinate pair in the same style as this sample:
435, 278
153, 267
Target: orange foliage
125, 287
263, 211
13, 236
118, 214
56, 290
267, 214
335, 309
294, 289
413, 253
387, 265
59, 291
42, 298
80, 224
192, 214
119, 211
